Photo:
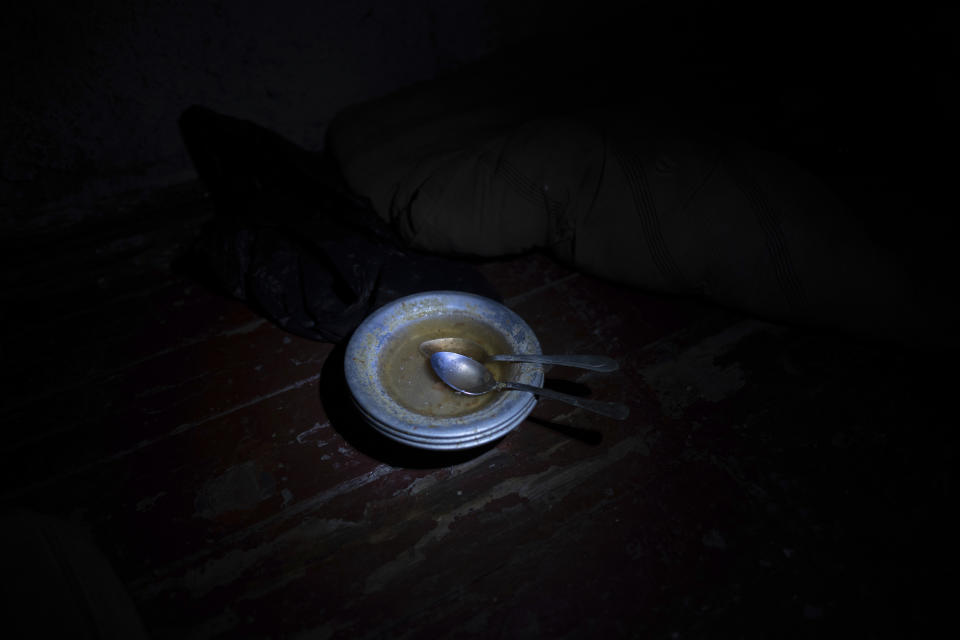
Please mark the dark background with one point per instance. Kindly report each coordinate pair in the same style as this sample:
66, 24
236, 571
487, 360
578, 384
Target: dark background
92, 93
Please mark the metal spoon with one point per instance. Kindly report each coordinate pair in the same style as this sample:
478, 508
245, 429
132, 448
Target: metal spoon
468, 376
473, 350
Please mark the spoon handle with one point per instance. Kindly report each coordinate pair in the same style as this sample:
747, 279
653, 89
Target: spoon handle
593, 363
614, 410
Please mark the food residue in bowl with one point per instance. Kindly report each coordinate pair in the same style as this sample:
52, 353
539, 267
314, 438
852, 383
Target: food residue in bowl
407, 376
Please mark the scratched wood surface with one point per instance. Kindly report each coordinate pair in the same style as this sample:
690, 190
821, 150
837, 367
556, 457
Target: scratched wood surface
770, 480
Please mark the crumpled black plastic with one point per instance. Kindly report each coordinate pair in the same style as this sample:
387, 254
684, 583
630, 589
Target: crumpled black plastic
290, 240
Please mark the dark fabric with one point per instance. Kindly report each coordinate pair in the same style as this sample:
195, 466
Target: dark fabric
642, 198
292, 242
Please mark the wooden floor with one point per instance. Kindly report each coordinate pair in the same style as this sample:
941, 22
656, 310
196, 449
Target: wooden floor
770, 481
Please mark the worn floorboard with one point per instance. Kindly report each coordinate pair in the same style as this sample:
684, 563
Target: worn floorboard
771, 481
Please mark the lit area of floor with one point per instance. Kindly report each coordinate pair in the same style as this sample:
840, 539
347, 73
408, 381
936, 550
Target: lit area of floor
769, 481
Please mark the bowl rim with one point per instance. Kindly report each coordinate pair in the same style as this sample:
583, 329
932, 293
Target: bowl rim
490, 422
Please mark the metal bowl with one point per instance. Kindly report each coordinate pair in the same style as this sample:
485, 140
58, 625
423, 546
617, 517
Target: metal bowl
376, 336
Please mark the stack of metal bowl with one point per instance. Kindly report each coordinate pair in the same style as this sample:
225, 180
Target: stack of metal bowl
381, 409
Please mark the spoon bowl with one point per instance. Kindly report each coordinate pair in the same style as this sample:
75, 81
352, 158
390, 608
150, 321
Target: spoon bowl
470, 377
463, 346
